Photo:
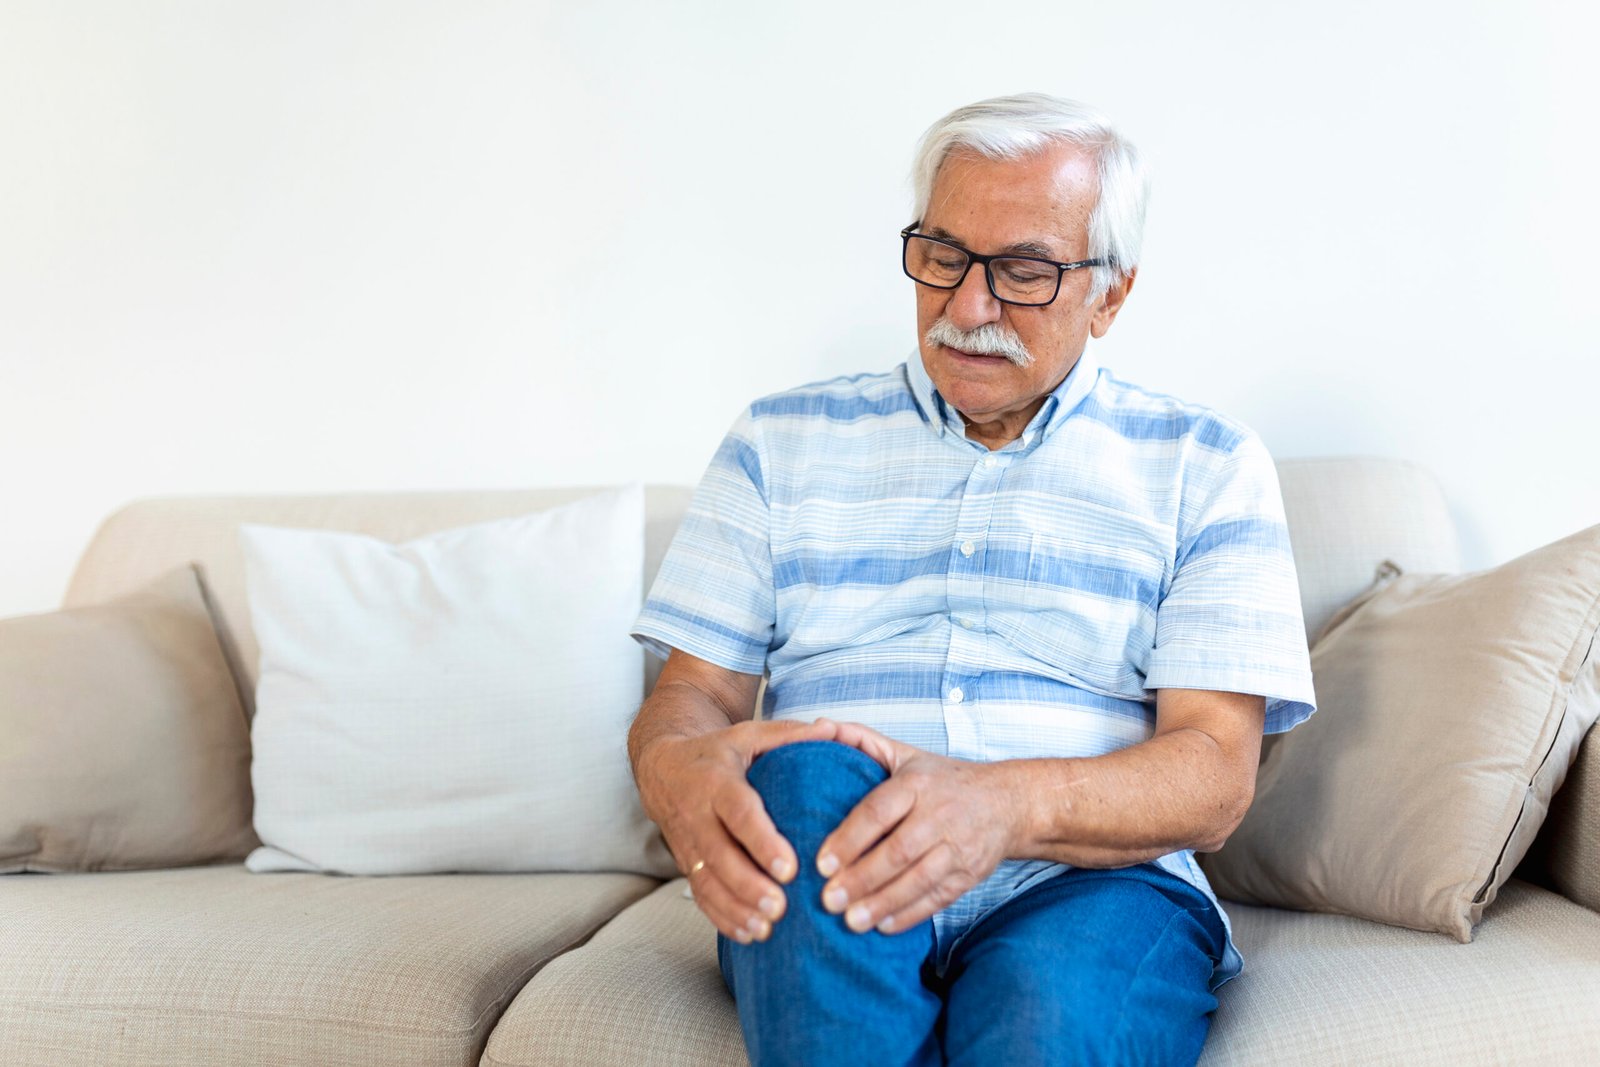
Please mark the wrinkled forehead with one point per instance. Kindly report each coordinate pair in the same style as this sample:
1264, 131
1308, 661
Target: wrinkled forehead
1044, 198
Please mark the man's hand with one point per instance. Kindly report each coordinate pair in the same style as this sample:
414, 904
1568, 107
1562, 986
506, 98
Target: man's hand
948, 822
713, 820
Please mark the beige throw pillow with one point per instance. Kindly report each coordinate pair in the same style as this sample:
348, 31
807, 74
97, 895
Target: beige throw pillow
1450, 707
123, 742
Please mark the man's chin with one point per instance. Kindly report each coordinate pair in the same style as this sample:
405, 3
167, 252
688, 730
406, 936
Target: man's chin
975, 399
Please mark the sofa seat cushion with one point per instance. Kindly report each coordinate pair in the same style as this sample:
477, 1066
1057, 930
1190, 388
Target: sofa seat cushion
1316, 989
209, 965
644, 989
1334, 989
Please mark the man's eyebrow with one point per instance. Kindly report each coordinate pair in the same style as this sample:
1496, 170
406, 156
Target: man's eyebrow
1020, 248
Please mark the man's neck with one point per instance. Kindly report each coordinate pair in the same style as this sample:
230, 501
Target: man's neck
995, 434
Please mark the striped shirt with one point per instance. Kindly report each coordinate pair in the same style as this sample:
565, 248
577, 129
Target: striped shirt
1026, 602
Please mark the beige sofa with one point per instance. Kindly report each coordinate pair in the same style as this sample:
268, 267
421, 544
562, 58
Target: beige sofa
212, 965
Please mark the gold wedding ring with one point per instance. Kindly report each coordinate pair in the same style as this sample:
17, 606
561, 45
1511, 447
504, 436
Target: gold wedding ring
699, 865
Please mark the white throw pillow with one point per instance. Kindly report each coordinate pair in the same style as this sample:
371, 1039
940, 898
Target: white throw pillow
458, 702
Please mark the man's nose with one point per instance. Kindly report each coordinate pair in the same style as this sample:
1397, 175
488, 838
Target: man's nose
971, 303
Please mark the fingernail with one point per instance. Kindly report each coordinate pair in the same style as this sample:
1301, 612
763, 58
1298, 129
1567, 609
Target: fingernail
771, 905
887, 925
827, 863
859, 918
759, 928
783, 868
834, 898
742, 936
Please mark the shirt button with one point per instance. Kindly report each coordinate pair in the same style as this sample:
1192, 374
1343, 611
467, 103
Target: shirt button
966, 624
968, 548
989, 461
956, 694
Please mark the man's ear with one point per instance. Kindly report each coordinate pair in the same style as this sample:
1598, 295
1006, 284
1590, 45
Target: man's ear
1105, 313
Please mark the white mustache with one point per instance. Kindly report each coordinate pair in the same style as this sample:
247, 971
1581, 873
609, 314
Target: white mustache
990, 339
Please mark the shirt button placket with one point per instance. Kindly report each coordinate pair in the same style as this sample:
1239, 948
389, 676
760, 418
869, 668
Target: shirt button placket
964, 584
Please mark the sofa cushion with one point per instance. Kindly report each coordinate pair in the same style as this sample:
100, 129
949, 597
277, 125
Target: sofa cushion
644, 989
1451, 708
123, 743
1333, 989
1316, 990
210, 965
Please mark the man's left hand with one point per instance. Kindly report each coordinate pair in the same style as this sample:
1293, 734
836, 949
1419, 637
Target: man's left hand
945, 825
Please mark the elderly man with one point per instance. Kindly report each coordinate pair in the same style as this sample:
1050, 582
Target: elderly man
1024, 623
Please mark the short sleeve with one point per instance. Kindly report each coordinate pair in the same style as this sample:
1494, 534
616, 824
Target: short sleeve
1231, 619
713, 596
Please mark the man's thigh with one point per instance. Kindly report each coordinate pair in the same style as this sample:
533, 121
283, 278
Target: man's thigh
1088, 967
817, 992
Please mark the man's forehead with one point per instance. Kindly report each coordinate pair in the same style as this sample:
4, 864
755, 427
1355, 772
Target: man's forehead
1036, 205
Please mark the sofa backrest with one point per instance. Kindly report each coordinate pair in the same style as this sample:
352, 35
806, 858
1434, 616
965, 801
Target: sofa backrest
1345, 515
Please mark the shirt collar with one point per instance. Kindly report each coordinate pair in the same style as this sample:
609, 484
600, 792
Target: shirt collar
1061, 402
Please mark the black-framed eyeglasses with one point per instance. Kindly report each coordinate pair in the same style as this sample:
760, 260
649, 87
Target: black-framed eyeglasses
1028, 281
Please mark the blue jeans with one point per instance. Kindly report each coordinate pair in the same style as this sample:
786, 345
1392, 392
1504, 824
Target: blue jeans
1087, 967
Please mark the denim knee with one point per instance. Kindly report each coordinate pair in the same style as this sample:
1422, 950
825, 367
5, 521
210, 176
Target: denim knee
808, 788
816, 991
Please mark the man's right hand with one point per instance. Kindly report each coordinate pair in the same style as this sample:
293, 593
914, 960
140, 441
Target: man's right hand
695, 789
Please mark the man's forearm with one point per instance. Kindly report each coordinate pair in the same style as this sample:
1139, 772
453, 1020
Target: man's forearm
1169, 793
674, 709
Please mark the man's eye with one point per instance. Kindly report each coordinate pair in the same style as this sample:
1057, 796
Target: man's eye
947, 264
1023, 276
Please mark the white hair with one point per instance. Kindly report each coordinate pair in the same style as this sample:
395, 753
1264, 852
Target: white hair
1014, 127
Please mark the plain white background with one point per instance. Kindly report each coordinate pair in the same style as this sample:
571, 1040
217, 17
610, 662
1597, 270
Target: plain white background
302, 247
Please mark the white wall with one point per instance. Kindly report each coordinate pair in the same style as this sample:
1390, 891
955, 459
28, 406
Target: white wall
323, 246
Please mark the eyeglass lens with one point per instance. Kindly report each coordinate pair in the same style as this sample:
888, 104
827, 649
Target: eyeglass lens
1022, 281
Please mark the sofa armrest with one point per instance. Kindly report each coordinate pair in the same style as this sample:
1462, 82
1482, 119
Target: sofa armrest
1570, 837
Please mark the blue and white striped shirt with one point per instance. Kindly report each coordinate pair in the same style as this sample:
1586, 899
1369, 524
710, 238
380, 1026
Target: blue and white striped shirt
1019, 603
